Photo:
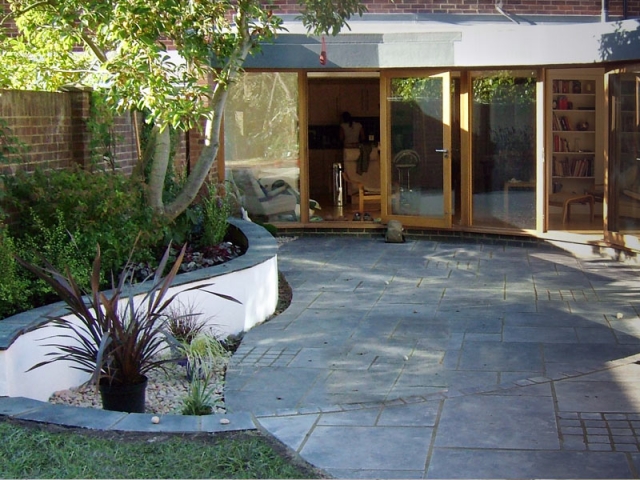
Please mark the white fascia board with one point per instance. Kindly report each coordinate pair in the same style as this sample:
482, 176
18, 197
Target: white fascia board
393, 44
548, 44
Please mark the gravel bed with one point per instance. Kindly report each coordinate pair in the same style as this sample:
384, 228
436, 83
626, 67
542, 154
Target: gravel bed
166, 391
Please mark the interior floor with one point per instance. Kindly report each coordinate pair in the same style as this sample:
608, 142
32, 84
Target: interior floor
577, 223
347, 212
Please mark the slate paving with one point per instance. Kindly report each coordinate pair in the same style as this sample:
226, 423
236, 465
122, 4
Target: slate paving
433, 359
449, 359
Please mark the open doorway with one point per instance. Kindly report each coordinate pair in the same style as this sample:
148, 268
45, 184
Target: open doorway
344, 180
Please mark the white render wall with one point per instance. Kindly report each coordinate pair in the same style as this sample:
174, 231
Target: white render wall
396, 43
253, 280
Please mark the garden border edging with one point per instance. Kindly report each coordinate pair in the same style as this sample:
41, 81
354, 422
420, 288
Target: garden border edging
251, 278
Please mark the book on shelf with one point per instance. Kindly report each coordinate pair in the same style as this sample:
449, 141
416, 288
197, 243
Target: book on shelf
576, 167
567, 86
565, 124
560, 144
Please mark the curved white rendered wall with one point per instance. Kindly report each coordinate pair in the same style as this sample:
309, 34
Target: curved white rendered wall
255, 286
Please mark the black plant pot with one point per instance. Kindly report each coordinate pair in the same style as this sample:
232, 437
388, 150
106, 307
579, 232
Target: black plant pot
124, 398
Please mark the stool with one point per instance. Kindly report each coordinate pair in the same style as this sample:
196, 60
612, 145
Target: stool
566, 199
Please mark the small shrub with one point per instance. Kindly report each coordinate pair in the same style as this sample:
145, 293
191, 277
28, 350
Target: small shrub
60, 247
108, 208
184, 323
12, 285
202, 397
216, 208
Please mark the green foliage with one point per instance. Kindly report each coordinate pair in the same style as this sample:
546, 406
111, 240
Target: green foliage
504, 88
203, 349
12, 286
216, 208
106, 207
59, 246
100, 126
204, 223
328, 16
11, 148
125, 56
116, 343
35, 452
417, 89
202, 397
205, 357
43, 59
62, 216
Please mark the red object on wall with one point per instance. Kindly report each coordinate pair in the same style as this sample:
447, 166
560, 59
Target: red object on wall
323, 52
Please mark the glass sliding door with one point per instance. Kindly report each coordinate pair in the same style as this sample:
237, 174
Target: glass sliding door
503, 143
261, 151
623, 207
419, 148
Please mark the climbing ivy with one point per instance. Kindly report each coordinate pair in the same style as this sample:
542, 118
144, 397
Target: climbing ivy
100, 125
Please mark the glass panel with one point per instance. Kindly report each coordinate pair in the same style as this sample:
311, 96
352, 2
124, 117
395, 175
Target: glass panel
504, 116
624, 198
344, 152
261, 144
417, 132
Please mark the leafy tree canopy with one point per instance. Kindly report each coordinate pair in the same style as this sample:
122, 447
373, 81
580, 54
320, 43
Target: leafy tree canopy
153, 56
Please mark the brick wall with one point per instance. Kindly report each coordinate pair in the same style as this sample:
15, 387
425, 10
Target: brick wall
518, 7
42, 122
53, 128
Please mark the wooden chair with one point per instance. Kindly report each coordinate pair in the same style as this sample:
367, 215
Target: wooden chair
565, 200
364, 194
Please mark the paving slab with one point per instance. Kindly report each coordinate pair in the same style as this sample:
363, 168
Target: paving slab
291, 430
141, 422
470, 463
493, 421
373, 448
68, 416
12, 406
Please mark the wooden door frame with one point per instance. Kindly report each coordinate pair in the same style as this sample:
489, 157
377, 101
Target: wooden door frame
385, 149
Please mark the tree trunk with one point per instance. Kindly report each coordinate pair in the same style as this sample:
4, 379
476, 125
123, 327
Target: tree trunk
159, 165
207, 157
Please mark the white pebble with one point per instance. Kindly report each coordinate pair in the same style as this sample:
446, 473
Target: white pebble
225, 421
155, 419
406, 358
619, 315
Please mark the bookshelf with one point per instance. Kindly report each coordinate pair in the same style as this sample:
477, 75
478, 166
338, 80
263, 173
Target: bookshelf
575, 142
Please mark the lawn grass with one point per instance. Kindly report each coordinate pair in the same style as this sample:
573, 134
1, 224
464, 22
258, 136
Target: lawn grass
32, 451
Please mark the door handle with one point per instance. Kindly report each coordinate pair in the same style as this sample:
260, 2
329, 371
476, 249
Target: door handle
443, 150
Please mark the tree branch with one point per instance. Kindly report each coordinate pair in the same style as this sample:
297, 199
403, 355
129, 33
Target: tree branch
23, 11
93, 47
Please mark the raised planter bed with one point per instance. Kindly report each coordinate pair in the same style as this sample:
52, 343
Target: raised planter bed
251, 278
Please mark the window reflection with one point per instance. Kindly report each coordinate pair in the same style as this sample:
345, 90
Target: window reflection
417, 137
261, 145
624, 201
504, 145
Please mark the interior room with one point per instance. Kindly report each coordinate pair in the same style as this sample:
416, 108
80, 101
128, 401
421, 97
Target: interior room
345, 182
